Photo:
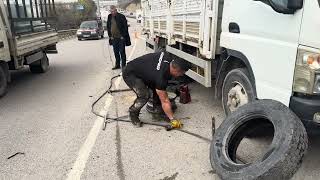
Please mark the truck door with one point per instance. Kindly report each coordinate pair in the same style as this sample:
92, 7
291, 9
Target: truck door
268, 39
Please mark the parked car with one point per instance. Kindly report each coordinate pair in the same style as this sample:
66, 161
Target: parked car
90, 30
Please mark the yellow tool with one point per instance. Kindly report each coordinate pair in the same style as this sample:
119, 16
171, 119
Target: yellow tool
174, 124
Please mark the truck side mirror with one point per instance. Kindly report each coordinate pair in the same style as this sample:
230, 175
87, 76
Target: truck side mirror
284, 6
295, 4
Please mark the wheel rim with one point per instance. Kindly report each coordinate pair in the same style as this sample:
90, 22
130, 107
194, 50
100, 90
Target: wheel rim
237, 96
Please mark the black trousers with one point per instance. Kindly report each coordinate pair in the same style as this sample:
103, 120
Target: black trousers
119, 49
141, 90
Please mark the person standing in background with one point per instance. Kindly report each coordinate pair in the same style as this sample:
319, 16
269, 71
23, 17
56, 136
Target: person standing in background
119, 37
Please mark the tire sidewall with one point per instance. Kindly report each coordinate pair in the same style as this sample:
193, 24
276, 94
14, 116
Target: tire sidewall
3, 82
283, 120
240, 76
44, 62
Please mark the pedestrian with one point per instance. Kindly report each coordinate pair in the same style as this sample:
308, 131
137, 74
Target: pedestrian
152, 71
119, 37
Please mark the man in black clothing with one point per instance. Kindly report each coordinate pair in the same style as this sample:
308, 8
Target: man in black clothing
152, 71
119, 38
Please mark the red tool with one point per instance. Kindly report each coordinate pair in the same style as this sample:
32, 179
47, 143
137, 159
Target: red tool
184, 94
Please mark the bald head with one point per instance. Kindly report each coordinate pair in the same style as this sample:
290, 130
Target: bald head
113, 10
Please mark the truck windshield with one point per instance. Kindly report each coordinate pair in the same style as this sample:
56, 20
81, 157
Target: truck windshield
89, 25
28, 16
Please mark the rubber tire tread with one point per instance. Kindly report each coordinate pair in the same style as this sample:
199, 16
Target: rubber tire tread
290, 144
3, 82
37, 67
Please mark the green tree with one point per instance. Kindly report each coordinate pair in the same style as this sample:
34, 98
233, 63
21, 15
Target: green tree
69, 15
89, 11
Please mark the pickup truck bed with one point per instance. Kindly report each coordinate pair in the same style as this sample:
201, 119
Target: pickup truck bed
27, 43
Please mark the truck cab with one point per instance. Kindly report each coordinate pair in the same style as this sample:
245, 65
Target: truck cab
277, 42
27, 35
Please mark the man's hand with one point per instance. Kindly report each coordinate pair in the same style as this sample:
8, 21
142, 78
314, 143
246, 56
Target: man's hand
165, 102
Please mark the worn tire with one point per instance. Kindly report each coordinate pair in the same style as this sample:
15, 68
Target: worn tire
40, 66
3, 82
284, 156
236, 76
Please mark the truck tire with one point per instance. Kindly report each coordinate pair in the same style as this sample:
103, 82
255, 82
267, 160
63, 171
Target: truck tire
282, 158
40, 66
237, 90
3, 82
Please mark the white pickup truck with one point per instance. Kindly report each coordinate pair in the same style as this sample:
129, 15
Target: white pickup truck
26, 36
254, 49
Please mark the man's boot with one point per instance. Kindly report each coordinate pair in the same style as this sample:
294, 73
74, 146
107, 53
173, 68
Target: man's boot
134, 117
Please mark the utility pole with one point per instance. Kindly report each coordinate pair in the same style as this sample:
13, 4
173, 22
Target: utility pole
98, 4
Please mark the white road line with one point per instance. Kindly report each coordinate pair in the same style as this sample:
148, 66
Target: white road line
86, 148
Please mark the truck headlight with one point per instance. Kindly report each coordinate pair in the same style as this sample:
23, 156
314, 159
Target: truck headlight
306, 79
79, 32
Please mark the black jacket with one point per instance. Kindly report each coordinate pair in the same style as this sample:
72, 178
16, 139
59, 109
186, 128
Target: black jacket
122, 26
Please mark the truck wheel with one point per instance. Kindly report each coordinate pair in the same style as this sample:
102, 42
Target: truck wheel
237, 90
40, 66
282, 158
3, 82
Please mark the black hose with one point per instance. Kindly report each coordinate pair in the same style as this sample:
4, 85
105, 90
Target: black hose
108, 91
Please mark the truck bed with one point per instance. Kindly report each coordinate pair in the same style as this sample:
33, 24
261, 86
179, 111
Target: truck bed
27, 43
192, 22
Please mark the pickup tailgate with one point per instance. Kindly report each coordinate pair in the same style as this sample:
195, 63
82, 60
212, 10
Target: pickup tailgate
33, 42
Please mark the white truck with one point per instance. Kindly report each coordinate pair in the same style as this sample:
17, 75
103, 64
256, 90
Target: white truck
26, 36
253, 49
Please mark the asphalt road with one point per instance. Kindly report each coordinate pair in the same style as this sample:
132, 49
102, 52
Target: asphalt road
46, 122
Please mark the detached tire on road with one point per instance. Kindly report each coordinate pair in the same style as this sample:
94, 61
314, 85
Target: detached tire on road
282, 158
40, 66
237, 90
3, 82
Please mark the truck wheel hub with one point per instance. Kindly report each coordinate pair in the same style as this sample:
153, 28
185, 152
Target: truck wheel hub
237, 97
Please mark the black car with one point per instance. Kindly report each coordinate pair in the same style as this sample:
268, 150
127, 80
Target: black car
90, 30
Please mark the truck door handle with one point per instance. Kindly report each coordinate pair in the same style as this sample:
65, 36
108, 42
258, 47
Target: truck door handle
234, 27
